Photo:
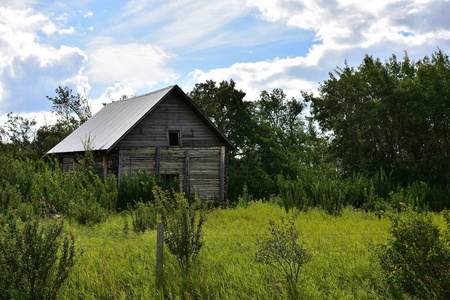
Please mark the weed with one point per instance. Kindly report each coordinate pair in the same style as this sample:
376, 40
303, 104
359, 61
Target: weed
281, 252
182, 225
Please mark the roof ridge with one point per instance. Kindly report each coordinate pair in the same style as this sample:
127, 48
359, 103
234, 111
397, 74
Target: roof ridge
143, 95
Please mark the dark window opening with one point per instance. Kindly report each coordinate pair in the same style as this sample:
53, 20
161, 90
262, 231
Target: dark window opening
174, 138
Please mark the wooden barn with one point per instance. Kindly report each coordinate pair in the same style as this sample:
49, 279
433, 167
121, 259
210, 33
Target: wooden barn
162, 132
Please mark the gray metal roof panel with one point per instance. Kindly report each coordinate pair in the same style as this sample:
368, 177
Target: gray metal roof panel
111, 123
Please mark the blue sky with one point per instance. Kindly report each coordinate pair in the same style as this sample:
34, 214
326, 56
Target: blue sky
105, 49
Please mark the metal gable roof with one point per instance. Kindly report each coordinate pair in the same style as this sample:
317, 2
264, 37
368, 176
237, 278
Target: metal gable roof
108, 126
111, 123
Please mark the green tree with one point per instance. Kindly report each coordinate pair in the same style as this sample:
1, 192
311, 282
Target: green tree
227, 109
18, 133
391, 115
281, 133
73, 110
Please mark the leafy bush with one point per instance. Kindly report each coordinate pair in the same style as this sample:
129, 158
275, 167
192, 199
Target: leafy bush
182, 225
44, 189
35, 259
282, 254
143, 216
417, 258
139, 188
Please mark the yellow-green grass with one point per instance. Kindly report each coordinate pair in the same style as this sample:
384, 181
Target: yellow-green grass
116, 265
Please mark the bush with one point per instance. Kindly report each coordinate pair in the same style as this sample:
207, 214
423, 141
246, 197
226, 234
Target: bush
143, 216
35, 259
282, 254
417, 258
182, 225
139, 188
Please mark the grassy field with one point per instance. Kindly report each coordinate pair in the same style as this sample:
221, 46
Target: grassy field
119, 265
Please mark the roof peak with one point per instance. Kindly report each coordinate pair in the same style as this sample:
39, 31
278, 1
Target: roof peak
143, 95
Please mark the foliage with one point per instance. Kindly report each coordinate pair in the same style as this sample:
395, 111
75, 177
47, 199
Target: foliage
281, 252
73, 110
227, 109
139, 187
391, 115
19, 133
35, 259
269, 135
46, 190
123, 266
332, 191
143, 216
182, 225
417, 257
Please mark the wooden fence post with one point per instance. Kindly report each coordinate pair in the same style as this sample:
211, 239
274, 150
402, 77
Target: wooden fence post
159, 252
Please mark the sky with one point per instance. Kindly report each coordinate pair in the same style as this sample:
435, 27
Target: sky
104, 49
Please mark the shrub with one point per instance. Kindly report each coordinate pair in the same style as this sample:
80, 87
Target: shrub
417, 258
35, 259
182, 225
282, 254
139, 188
143, 216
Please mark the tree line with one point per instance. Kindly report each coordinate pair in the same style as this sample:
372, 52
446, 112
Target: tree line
389, 118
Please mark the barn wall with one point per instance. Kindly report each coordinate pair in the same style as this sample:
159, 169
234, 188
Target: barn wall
171, 114
203, 165
70, 159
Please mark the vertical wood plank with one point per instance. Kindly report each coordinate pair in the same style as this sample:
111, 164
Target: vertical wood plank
186, 172
105, 166
222, 174
158, 159
119, 173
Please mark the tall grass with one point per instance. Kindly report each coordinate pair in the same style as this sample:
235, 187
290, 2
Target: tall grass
117, 265
332, 192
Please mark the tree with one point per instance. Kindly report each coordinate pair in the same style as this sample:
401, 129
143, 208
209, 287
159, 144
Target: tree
227, 109
268, 133
19, 134
391, 115
73, 110
281, 133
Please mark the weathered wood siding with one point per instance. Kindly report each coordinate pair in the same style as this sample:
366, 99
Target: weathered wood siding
171, 114
203, 165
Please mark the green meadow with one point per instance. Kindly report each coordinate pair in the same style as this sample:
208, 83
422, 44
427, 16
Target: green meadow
120, 264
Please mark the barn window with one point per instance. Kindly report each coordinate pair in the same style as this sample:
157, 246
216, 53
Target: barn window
174, 138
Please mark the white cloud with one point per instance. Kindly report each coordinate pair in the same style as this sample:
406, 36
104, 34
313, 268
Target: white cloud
27, 66
252, 78
181, 23
112, 93
344, 30
135, 65
88, 14
346, 25
71, 30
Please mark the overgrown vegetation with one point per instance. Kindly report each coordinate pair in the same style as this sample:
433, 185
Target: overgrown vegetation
35, 258
281, 252
183, 222
417, 257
